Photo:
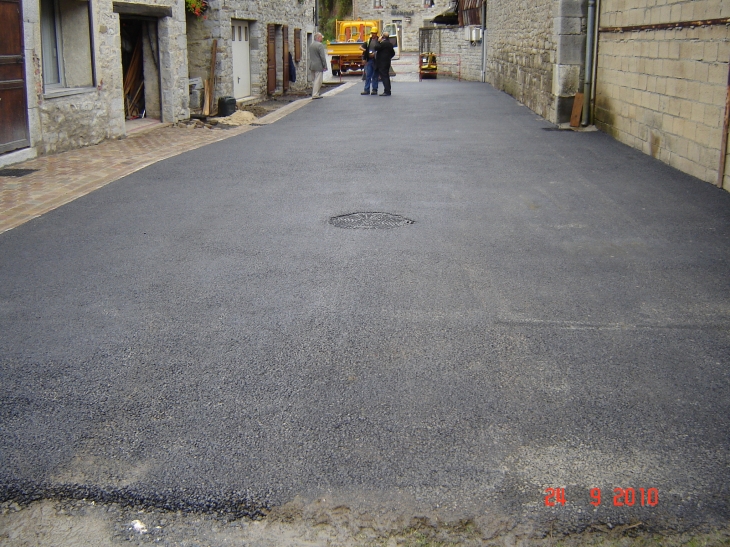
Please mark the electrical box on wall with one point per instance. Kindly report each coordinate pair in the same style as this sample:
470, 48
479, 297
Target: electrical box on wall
473, 33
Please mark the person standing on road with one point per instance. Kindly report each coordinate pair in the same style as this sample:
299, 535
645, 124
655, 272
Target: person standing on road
317, 64
371, 73
383, 54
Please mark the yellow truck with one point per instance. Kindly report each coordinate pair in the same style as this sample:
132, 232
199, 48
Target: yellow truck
345, 52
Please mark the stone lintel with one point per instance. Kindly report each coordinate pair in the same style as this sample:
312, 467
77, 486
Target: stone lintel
136, 8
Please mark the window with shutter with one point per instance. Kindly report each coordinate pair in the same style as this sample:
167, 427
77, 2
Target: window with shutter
297, 45
271, 59
285, 60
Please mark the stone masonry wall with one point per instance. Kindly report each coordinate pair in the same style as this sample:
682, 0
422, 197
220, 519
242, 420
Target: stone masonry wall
663, 91
201, 33
521, 52
536, 52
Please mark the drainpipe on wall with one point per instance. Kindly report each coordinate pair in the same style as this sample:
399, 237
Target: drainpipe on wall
484, 41
590, 33
594, 82
725, 128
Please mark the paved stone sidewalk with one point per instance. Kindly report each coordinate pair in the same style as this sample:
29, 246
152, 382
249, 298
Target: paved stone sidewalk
64, 177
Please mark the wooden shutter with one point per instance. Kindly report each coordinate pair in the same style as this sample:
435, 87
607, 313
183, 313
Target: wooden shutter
285, 39
271, 59
13, 105
297, 45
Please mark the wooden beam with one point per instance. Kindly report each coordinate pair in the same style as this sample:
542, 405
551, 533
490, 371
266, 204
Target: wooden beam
211, 80
577, 110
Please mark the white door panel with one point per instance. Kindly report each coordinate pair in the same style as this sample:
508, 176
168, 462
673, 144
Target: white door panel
241, 60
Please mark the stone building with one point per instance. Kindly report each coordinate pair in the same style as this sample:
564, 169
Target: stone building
407, 15
253, 40
66, 64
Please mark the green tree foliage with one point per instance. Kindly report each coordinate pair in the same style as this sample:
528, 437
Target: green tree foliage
329, 12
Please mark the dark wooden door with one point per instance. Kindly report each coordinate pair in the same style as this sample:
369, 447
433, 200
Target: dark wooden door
271, 58
285, 38
13, 110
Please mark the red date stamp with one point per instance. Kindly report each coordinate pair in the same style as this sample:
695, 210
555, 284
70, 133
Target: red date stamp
622, 497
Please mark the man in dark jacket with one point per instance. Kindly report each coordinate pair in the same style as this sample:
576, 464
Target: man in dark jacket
384, 52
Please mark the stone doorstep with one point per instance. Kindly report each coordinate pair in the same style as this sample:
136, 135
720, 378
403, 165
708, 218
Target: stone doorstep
246, 101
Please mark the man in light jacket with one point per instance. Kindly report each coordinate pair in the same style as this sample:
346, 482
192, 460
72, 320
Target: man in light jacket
317, 64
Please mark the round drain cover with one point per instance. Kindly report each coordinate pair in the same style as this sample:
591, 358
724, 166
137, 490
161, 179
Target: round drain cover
370, 221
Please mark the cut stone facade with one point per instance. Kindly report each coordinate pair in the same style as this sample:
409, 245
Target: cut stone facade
258, 14
663, 90
76, 99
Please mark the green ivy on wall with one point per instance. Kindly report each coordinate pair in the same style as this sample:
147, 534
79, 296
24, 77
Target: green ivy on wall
329, 12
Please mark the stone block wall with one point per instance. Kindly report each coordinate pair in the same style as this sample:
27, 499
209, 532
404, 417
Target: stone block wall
534, 52
663, 90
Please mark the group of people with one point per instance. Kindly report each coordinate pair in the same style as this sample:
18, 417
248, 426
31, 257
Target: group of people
377, 54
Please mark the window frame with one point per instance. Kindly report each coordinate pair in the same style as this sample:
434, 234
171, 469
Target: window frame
61, 88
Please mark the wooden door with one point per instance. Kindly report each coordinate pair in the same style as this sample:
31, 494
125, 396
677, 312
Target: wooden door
13, 105
271, 58
285, 39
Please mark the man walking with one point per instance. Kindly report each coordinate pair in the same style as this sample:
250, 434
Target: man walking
383, 54
371, 73
317, 64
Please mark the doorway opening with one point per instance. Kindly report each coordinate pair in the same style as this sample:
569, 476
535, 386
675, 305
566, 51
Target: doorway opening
140, 72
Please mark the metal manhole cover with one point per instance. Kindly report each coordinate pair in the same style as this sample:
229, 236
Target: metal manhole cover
16, 172
370, 221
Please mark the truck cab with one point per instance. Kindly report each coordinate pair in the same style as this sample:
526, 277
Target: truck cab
345, 53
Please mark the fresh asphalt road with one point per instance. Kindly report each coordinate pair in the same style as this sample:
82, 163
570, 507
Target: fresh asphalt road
558, 315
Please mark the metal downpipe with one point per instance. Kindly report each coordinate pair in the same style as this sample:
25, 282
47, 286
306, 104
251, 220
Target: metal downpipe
588, 82
484, 41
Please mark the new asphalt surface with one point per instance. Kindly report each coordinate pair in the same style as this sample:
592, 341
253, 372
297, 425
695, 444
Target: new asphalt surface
198, 335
